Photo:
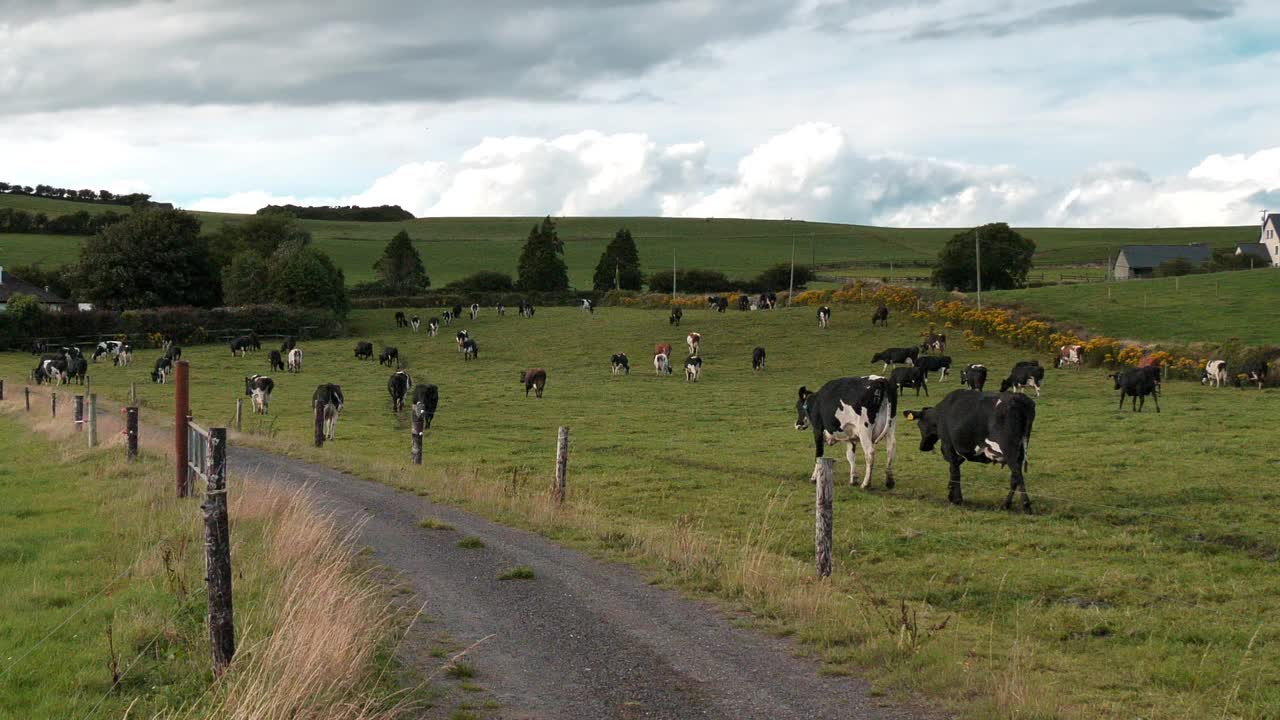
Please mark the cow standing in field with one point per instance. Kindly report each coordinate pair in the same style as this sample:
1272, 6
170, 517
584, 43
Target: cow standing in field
364, 350
241, 346
275, 361
1069, 355
433, 327
470, 351
526, 309
107, 347
662, 363
910, 377
534, 379
744, 303
855, 411
448, 317
1026, 373
824, 317
620, 364
940, 364
676, 315
692, 368
980, 427
974, 376
475, 310
757, 359
713, 301
722, 304
400, 319
1215, 373
329, 398
161, 369
457, 312
77, 369
500, 309
125, 356
1254, 372
398, 386
173, 352
694, 341
390, 357
460, 338
587, 306
294, 361
880, 316
259, 388
415, 322
934, 342
896, 356
288, 345
425, 399
1136, 383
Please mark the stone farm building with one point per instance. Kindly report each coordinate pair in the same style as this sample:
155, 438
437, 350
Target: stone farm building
11, 285
1141, 261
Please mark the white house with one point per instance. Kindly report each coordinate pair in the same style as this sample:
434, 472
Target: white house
1271, 236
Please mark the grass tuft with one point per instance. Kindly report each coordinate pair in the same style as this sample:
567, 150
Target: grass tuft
434, 524
519, 572
471, 543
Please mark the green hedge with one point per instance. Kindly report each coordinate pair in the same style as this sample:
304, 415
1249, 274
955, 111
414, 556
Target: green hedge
449, 298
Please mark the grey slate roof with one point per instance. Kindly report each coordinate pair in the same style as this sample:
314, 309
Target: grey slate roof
1257, 250
1150, 256
11, 285
1272, 216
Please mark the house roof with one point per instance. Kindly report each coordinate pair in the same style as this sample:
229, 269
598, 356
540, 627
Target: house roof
1273, 217
1150, 256
1258, 250
11, 285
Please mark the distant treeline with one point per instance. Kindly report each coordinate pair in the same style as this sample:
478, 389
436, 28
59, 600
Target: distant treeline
94, 196
381, 213
38, 223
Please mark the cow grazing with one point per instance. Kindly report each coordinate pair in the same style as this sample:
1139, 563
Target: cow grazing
587, 306
757, 359
722, 304
676, 315
259, 388
692, 368
1215, 373
160, 371
294, 361
77, 369
897, 356
425, 399
401, 321
880, 316
534, 379
500, 309
275, 361
416, 323
620, 364
980, 427
824, 316
461, 338
856, 411
1069, 355
364, 350
934, 342
1253, 372
448, 317
398, 386
940, 364
526, 309
457, 312
470, 351
974, 377
910, 377
390, 357
771, 301
662, 349
744, 303
125, 356
107, 347
1136, 383
713, 301
433, 327
694, 341
173, 352
241, 346
475, 310
289, 343
1023, 376
254, 343
662, 363
329, 398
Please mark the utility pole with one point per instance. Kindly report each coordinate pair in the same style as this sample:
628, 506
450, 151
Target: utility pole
792, 289
673, 277
977, 250
813, 251
617, 276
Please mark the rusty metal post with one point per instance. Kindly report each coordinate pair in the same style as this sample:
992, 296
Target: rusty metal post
181, 410
131, 430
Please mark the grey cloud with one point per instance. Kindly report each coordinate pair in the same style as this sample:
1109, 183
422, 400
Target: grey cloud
1006, 22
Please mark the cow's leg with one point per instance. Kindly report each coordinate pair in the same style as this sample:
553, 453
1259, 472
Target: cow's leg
1121, 400
1156, 399
851, 454
953, 487
891, 449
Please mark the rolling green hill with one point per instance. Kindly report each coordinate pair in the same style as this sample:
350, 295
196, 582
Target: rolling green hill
454, 247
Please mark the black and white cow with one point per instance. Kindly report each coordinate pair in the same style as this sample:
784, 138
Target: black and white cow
676, 315
470, 351
824, 316
416, 323
1069, 355
107, 347
329, 397
1025, 374
401, 321
1253, 372
77, 369
448, 317
475, 310
620, 364
692, 368
173, 352
940, 364
259, 388
974, 376
980, 427
587, 306
289, 343
910, 377
771, 301
744, 303
856, 411
460, 338
275, 361
50, 371
526, 309
161, 370
433, 327
390, 357
713, 301
1215, 373
880, 316
398, 386
364, 350
294, 362
934, 342
425, 400
1137, 384
534, 379
757, 359
500, 309
124, 357
897, 356
241, 346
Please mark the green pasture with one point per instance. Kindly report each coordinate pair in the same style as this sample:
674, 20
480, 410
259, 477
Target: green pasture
1144, 584
1215, 308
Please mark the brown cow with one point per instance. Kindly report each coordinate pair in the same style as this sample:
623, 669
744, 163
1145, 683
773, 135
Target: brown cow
534, 379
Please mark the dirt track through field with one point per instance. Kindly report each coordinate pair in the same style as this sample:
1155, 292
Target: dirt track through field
581, 639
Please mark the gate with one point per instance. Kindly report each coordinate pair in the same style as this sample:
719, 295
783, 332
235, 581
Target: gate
199, 452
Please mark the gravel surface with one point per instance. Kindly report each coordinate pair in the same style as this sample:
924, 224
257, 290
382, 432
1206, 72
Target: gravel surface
583, 638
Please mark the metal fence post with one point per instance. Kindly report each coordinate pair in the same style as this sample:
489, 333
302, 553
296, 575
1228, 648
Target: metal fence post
562, 464
131, 431
92, 420
217, 544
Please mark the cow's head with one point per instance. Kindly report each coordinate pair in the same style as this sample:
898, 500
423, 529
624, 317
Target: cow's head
802, 408
926, 420
879, 357
1007, 383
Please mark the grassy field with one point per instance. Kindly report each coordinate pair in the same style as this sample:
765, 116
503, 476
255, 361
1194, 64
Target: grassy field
455, 247
1144, 585
1215, 307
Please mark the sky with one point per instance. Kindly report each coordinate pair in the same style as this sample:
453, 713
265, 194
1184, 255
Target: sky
1078, 113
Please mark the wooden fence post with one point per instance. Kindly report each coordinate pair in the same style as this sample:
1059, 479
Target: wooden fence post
133, 393
824, 482
1, 389
217, 555
77, 413
53, 403
131, 431
562, 464
181, 410
239, 410
415, 447
27, 392
319, 421
92, 419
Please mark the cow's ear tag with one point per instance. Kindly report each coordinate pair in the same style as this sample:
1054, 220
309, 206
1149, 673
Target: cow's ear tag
909, 415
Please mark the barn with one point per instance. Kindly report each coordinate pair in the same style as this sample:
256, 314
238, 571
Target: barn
1139, 261
11, 285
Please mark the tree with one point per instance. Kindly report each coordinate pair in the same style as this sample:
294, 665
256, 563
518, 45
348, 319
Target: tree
484, 281
154, 258
541, 267
303, 276
778, 278
1006, 259
1175, 267
262, 234
24, 313
246, 280
620, 264
400, 266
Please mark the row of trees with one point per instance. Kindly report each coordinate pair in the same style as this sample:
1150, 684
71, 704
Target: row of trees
381, 213
1223, 259
82, 195
13, 220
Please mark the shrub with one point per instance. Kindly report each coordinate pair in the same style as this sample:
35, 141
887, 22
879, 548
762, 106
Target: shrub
484, 281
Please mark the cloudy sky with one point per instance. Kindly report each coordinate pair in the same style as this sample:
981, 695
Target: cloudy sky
899, 112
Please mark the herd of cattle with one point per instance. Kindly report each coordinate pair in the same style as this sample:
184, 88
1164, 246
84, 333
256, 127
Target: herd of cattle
970, 424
